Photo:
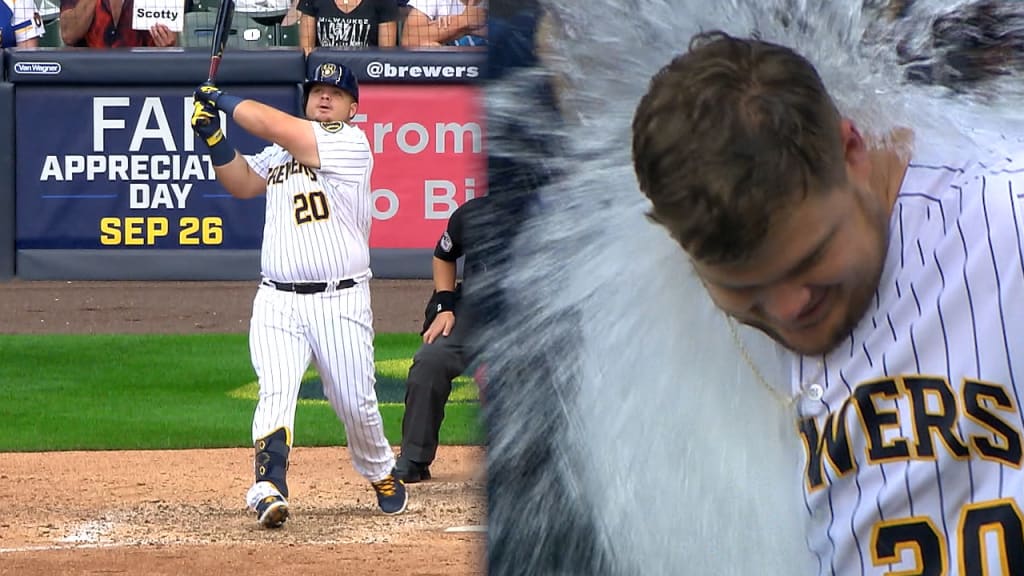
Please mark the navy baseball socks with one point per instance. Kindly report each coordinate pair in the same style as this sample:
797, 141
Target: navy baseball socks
268, 496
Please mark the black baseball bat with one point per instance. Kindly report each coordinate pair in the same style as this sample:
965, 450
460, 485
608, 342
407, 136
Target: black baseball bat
221, 31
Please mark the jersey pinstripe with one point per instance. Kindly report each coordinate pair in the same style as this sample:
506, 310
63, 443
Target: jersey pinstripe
318, 220
912, 426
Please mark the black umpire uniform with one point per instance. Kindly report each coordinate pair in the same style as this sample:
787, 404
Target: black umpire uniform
436, 364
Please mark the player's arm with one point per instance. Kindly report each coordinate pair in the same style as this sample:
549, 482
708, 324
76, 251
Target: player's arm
239, 179
232, 169
292, 133
75, 18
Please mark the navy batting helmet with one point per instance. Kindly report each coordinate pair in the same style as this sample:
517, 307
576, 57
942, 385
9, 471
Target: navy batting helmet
333, 74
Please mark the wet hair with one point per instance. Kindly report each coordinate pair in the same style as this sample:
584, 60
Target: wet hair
728, 135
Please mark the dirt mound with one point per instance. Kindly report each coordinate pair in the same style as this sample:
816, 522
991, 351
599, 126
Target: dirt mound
182, 512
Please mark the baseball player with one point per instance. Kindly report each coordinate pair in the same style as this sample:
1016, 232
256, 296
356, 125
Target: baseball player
313, 302
894, 280
20, 24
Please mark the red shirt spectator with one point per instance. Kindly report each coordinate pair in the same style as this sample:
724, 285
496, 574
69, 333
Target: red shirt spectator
107, 24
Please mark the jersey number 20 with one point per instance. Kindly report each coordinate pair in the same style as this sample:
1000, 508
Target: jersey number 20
987, 531
310, 207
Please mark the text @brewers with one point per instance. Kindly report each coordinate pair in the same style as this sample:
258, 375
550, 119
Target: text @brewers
161, 230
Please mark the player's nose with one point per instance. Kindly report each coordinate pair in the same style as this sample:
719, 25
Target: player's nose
784, 303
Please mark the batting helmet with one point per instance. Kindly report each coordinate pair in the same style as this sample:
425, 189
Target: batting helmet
332, 74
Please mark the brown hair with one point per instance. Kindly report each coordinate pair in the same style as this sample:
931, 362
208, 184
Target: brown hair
727, 135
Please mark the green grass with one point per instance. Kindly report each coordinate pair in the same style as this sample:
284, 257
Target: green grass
98, 392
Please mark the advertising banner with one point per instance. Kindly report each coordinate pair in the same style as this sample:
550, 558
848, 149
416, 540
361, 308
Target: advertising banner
119, 167
428, 158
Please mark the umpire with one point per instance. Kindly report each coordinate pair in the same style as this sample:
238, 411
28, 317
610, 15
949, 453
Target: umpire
445, 353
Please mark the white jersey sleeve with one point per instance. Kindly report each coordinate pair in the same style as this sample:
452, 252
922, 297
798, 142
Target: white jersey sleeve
263, 161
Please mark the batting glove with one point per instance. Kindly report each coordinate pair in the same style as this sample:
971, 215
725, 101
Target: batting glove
206, 123
207, 92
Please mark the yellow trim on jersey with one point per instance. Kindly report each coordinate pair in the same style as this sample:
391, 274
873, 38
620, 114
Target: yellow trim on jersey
898, 443
996, 526
1002, 446
310, 206
332, 127
900, 546
961, 451
833, 433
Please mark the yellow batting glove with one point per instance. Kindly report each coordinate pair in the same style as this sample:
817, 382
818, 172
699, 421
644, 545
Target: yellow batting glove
206, 122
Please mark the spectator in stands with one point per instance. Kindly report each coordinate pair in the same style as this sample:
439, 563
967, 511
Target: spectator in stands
348, 23
20, 24
445, 23
108, 24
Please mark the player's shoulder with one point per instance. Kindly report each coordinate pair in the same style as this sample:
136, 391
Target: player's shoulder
952, 168
341, 132
996, 153
1003, 164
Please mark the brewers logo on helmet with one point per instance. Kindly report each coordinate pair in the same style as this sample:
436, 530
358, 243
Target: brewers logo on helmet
333, 74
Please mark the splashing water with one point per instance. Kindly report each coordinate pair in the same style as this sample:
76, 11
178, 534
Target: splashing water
636, 433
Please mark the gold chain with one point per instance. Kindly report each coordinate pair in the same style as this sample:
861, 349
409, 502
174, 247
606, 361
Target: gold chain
782, 398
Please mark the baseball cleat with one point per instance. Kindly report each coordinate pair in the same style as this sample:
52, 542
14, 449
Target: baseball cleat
410, 472
272, 511
391, 495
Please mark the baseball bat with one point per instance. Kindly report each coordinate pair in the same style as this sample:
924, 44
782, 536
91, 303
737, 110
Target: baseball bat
221, 31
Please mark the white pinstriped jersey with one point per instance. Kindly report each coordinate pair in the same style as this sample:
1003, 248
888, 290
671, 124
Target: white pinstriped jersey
318, 221
912, 426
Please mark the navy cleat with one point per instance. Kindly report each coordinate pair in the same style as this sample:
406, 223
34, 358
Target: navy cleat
272, 511
391, 495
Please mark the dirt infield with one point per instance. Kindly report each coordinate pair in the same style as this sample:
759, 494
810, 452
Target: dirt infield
182, 512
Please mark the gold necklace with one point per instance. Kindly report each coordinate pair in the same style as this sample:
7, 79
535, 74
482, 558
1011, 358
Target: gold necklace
786, 401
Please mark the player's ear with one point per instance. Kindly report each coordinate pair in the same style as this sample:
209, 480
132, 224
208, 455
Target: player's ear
352, 109
855, 149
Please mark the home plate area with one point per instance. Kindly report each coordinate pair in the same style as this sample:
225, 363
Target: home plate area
182, 512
